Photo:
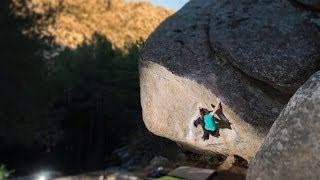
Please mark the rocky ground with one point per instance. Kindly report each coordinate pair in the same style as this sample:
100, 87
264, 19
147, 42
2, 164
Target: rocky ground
151, 156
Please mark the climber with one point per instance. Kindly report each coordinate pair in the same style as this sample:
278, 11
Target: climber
207, 120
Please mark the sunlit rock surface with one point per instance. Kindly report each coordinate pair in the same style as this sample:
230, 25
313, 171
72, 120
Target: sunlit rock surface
204, 51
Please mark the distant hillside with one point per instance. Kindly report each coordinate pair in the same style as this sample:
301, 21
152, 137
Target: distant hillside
71, 22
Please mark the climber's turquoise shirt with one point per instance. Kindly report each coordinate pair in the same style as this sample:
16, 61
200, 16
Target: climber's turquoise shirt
210, 122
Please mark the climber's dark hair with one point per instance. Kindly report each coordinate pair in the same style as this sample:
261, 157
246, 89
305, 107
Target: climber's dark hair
203, 111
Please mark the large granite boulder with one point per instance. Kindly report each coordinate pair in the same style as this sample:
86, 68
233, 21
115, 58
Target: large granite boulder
268, 40
253, 64
310, 4
292, 147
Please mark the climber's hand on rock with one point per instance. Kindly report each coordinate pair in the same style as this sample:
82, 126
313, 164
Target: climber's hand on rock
195, 124
218, 100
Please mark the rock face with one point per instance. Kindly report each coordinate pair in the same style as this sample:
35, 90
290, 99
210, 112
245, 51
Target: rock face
269, 40
311, 4
247, 53
292, 147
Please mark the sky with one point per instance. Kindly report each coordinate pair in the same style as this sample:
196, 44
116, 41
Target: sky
170, 4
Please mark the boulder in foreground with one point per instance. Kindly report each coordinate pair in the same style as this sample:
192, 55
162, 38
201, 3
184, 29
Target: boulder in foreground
292, 147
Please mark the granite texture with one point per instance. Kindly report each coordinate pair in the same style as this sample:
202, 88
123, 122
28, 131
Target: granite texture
292, 147
205, 51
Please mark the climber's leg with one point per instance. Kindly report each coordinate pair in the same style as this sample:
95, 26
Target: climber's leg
213, 132
205, 135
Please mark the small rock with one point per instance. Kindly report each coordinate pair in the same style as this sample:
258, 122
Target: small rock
182, 156
157, 173
159, 161
186, 172
227, 164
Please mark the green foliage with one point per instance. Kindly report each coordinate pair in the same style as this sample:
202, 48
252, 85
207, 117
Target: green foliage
95, 90
4, 172
85, 100
208, 158
22, 74
205, 160
167, 178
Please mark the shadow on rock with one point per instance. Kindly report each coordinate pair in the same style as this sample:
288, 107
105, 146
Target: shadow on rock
222, 121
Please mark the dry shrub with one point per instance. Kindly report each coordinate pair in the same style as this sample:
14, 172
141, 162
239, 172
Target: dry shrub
71, 22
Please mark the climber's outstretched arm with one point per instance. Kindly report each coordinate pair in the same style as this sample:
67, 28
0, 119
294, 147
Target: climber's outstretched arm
217, 107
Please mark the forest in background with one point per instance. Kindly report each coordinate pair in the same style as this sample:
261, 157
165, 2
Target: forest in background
79, 104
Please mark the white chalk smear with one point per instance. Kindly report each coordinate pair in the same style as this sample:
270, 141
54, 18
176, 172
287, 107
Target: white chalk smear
191, 134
